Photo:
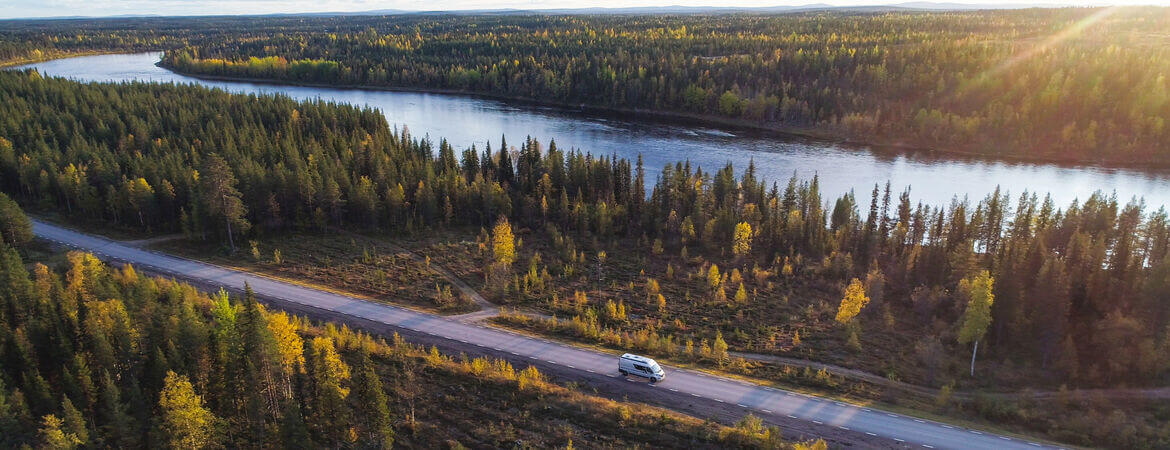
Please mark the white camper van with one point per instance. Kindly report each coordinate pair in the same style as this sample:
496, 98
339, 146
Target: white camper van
642, 366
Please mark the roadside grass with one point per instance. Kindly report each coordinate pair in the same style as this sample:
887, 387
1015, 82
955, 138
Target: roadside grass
336, 263
823, 384
488, 403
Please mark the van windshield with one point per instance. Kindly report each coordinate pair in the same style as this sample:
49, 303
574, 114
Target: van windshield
654, 368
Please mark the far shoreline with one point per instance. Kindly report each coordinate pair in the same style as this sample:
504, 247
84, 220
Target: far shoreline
673, 117
720, 123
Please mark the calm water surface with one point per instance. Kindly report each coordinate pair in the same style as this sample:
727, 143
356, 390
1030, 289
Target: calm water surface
465, 120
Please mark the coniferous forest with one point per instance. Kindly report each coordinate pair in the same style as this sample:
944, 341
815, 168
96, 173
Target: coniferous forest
178, 158
1092, 86
711, 266
948, 81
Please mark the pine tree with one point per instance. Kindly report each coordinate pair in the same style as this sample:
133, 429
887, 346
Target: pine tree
260, 366
117, 427
372, 410
328, 375
74, 422
220, 198
294, 433
15, 228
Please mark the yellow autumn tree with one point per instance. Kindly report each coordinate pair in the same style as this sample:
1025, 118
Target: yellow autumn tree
719, 349
852, 302
977, 316
289, 346
53, 437
652, 289
714, 279
503, 243
742, 239
187, 424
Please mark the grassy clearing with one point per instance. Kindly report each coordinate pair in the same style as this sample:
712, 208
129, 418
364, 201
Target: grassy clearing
339, 263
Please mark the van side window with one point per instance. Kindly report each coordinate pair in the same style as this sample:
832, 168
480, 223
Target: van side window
641, 367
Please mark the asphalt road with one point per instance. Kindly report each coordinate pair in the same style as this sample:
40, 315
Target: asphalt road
760, 400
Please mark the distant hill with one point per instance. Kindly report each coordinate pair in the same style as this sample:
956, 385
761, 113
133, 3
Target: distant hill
673, 9
778, 9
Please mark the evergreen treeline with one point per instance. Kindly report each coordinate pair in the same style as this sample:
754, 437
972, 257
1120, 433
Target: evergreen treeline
1079, 289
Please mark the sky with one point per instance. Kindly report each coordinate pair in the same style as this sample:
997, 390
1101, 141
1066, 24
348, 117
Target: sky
58, 8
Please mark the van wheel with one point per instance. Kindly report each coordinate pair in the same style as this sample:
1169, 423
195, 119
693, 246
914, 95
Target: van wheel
623, 372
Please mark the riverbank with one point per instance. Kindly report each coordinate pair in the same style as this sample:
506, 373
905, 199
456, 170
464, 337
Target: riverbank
706, 120
26, 61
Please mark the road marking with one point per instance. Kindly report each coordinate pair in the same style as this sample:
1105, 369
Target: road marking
766, 411
720, 401
741, 405
818, 422
673, 389
790, 416
571, 367
843, 428
976, 432
590, 371
696, 395
1005, 438
550, 362
531, 357
1033, 444
919, 421
948, 426
891, 415
927, 446
871, 434
899, 440
841, 404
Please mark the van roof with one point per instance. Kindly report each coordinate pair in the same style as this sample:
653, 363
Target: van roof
633, 357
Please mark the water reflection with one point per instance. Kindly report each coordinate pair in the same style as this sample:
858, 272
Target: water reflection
465, 121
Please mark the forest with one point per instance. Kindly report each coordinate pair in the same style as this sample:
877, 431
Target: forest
101, 357
1068, 281
993, 83
1072, 84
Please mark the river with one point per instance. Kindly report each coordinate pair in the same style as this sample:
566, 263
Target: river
466, 120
